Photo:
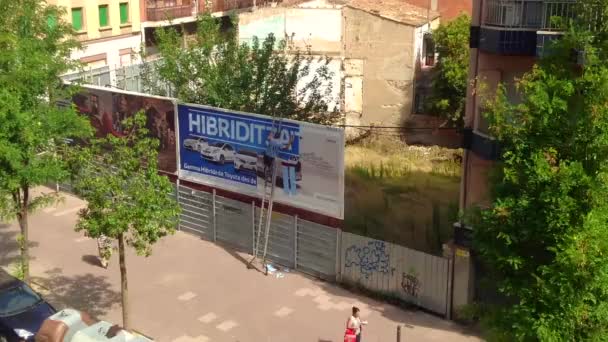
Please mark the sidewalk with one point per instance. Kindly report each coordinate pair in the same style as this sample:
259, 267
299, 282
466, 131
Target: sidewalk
192, 290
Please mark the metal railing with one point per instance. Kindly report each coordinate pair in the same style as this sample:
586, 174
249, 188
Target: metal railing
169, 12
230, 5
527, 14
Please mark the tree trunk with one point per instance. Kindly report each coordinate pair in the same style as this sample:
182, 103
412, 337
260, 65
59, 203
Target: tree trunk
24, 242
124, 291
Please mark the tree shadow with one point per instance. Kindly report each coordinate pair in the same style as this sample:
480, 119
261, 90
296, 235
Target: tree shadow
88, 292
9, 249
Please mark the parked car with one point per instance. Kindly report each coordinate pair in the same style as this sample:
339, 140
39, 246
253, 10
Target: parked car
196, 144
22, 310
218, 152
260, 169
70, 325
245, 160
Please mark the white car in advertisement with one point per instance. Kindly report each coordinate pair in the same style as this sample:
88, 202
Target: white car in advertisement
218, 152
245, 160
196, 144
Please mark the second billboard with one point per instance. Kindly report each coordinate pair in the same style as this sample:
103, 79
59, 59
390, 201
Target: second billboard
234, 151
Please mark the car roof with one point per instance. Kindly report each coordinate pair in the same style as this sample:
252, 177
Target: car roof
7, 280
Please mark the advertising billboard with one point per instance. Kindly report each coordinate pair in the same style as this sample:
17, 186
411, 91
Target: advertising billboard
106, 109
234, 151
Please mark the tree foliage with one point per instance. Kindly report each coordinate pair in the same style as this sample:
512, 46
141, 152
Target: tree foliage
451, 72
128, 200
266, 77
545, 235
35, 46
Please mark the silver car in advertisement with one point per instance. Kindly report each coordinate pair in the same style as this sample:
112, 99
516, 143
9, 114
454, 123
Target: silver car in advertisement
218, 152
245, 160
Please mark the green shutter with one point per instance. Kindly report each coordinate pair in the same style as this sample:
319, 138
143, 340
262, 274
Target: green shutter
124, 12
103, 16
51, 21
77, 18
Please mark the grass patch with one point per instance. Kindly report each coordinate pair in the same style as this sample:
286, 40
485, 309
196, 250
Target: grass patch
402, 194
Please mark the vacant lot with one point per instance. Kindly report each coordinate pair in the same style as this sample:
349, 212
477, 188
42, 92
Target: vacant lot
402, 194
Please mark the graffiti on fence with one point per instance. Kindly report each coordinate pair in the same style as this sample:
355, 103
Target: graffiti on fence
370, 258
410, 284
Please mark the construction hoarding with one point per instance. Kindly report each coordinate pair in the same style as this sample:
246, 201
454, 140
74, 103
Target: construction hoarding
107, 108
232, 150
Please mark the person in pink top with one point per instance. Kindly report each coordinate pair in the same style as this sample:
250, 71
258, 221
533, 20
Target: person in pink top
355, 323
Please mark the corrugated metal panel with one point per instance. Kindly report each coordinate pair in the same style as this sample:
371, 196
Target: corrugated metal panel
234, 223
413, 276
197, 212
281, 240
317, 249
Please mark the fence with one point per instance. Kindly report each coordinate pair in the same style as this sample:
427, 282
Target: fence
292, 242
415, 277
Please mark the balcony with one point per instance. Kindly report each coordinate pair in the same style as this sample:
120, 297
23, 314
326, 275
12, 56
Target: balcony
511, 27
231, 5
167, 12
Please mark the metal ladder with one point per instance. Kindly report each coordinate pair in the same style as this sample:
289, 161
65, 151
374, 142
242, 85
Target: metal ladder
270, 181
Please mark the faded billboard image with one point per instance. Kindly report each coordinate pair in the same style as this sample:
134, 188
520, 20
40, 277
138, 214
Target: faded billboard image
235, 151
106, 109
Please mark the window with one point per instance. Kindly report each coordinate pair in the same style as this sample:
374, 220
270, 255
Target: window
103, 16
428, 49
124, 12
77, 19
51, 21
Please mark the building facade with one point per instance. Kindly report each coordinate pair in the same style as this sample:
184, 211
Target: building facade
376, 48
507, 37
110, 30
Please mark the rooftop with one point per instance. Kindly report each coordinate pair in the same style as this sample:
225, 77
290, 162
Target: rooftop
396, 10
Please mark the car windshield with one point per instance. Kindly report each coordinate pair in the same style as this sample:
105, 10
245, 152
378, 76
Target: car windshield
218, 144
16, 300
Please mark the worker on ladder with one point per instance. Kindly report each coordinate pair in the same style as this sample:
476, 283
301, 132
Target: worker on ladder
272, 150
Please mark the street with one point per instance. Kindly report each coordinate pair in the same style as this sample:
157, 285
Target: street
194, 290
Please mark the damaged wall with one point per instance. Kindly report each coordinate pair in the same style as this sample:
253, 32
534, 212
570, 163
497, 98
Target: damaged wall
387, 49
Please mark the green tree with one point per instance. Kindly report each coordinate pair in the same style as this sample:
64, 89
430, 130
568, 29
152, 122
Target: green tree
451, 73
128, 200
262, 77
544, 236
35, 48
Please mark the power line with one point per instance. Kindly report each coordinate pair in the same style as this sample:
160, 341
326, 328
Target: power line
395, 127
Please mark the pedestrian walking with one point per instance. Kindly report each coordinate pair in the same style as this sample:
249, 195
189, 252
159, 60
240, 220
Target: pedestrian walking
104, 245
355, 325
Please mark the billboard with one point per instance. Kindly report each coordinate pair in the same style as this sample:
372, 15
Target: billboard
106, 109
234, 151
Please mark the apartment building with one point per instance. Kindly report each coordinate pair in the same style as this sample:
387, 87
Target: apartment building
110, 30
507, 37
182, 15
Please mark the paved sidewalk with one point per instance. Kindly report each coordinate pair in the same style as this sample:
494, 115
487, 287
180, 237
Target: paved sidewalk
192, 290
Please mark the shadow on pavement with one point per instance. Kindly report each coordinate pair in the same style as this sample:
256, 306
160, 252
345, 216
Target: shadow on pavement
9, 250
92, 260
90, 293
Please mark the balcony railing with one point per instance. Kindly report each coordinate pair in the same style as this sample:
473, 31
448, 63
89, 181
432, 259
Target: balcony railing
229, 5
169, 12
527, 14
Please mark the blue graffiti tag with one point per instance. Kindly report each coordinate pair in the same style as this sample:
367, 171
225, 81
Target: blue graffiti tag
370, 258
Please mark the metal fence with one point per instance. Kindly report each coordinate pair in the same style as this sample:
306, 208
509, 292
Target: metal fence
298, 244
416, 277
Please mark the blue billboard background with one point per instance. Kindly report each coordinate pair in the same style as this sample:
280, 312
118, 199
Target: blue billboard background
210, 140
